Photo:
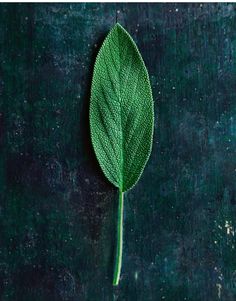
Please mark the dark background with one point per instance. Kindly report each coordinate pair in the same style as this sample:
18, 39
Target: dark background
58, 213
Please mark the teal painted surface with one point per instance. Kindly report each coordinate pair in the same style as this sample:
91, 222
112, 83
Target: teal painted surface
57, 212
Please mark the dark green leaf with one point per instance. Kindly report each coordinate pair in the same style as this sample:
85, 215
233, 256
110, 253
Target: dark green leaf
121, 110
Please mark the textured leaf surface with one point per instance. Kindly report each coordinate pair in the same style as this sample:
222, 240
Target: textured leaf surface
121, 110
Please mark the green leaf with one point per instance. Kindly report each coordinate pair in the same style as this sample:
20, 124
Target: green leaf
121, 118
121, 110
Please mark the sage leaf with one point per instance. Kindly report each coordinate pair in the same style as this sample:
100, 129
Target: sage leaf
121, 118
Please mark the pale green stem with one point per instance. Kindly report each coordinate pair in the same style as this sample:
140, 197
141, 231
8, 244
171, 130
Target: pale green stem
119, 246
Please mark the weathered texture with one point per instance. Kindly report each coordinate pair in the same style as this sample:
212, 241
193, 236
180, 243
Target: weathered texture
57, 212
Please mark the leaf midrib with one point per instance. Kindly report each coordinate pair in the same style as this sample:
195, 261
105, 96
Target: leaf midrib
121, 125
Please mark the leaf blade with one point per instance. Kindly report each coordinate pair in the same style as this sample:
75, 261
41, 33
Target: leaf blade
121, 110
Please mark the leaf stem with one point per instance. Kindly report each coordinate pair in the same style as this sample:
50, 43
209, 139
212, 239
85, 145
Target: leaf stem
119, 245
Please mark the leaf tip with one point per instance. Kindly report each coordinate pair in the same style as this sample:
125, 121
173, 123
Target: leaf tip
118, 26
